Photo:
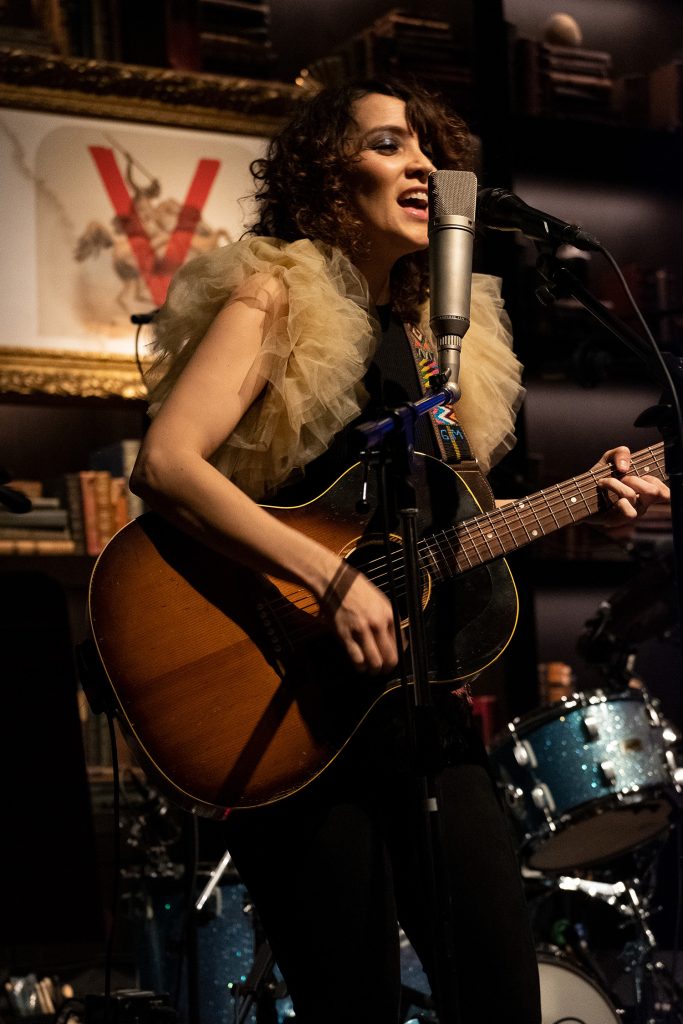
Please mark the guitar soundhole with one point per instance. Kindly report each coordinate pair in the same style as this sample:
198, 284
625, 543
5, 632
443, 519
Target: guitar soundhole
369, 555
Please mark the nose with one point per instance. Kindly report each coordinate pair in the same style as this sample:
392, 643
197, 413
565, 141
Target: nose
419, 164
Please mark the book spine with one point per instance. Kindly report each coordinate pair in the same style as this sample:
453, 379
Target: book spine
92, 539
119, 459
104, 512
119, 502
74, 505
129, 453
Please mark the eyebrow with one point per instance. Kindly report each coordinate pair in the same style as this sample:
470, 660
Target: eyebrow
388, 128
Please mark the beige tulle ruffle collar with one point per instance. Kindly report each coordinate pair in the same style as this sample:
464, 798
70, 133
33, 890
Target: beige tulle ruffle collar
319, 338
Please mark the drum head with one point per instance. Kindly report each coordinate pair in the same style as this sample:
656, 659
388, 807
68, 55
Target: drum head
569, 996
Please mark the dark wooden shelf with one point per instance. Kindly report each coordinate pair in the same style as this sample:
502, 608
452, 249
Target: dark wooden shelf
69, 570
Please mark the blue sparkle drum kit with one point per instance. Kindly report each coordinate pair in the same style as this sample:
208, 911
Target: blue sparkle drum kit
592, 785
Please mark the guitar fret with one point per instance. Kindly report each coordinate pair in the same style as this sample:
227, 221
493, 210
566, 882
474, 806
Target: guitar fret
550, 508
567, 503
509, 529
436, 562
519, 506
462, 547
582, 494
599, 496
487, 537
534, 533
453, 558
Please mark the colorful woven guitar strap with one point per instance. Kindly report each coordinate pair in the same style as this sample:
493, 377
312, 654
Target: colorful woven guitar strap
450, 437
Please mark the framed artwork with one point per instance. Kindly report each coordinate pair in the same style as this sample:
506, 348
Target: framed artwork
113, 177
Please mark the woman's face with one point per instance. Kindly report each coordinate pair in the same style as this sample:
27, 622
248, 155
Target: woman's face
389, 178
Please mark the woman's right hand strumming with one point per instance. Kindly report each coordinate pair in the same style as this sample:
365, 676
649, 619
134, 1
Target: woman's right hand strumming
362, 618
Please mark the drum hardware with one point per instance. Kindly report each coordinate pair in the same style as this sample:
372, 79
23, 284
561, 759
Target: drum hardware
610, 893
609, 771
644, 991
657, 995
591, 728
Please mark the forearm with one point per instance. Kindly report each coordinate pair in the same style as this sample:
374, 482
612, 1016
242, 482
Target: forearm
195, 497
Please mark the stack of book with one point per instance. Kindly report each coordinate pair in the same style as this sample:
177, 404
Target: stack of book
565, 80
79, 512
42, 530
234, 37
400, 43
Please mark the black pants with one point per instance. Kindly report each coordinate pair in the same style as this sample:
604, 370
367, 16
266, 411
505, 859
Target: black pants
333, 869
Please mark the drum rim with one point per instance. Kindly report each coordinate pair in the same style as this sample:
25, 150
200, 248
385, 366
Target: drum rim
592, 809
549, 712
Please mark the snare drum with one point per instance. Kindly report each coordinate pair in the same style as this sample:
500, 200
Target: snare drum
570, 996
587, 779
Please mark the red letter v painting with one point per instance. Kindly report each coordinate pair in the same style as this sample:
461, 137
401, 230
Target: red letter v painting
98, 215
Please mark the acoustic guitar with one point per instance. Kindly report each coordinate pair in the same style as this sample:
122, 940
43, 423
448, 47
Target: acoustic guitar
232, 689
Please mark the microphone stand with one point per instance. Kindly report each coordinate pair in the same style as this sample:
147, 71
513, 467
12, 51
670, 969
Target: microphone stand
664, 367
394, 437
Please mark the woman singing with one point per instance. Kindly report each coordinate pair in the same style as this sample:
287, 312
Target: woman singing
270, 350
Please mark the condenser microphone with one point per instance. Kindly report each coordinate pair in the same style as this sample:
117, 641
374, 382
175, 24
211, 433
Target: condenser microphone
452, 204
505, 211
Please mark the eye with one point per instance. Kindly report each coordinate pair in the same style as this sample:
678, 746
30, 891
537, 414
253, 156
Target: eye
385, 144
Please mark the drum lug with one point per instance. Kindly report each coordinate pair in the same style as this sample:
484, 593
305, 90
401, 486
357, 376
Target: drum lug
609, 771
675, 770
524, 754
542, 797
592, 728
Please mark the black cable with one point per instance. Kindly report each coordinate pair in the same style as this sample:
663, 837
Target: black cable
138, 360
649, 336
140, 319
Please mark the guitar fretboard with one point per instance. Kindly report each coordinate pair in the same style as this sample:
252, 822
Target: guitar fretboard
503, 530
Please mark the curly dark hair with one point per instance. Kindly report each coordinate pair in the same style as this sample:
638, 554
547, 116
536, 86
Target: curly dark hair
302, 189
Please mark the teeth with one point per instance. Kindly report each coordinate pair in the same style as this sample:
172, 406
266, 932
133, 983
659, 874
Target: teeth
417, 196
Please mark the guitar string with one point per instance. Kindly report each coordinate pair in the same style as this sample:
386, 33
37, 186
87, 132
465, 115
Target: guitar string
371, 569
302, 600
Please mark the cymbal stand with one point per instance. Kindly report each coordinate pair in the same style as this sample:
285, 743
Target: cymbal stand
657, 994
260, 988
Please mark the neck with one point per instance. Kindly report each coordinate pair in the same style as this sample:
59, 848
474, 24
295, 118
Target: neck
378, 278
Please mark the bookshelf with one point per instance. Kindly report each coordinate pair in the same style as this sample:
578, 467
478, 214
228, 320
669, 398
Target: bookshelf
614, 168
43, 439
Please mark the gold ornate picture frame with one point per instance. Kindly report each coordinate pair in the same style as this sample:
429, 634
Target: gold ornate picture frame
79, 140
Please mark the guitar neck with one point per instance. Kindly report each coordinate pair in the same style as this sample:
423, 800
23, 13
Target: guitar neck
479, 540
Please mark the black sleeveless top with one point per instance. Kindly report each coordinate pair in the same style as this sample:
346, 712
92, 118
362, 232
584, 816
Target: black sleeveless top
391, 381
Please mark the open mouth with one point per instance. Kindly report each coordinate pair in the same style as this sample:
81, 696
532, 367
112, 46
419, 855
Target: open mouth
414, 201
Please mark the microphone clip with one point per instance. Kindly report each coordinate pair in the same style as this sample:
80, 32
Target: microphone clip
440, 382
